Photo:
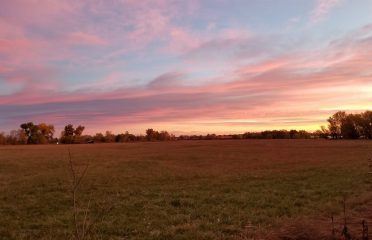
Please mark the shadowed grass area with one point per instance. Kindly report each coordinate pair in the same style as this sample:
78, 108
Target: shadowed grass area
177, 190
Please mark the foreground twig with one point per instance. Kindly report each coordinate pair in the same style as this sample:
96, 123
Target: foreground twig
76, 181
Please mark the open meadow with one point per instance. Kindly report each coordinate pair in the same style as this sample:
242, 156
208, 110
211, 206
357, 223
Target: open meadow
224, 189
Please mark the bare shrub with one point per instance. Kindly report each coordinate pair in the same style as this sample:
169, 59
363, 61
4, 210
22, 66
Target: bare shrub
84, 224
81, 227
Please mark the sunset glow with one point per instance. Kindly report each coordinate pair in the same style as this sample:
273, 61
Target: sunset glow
197, 66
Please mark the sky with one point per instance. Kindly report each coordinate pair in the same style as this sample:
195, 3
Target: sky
189, 67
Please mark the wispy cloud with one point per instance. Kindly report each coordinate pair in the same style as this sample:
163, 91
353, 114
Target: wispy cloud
174, 64
81, 38
322, 8
303, 84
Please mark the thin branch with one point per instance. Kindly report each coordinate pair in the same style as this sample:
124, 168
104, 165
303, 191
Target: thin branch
74, 188
85, 219
82, 175
71, 167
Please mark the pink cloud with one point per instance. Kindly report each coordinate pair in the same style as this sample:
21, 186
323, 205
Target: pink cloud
81, 38
34, 12
237, 78
181, 40
12, 46
281, 75
322, 8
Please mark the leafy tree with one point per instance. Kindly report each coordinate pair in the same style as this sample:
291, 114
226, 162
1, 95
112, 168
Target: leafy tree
99, 137
349, 128
46, 133
125, 137
303, 134
2, 138
17, 137
164, 136
72, 135
31, 131
322, 133
20, 136
67, 134
367, 124
69, 130
35, 134
109, 137
151, 135
335, 124
293, 134
211, 136
79, 130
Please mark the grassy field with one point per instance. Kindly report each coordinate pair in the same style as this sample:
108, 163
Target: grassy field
178, 190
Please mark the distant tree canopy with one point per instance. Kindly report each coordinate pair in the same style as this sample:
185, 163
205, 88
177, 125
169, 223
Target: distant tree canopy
125, 137
350, 126
152, 135
72, 135
36, 134
15, 137
280, 134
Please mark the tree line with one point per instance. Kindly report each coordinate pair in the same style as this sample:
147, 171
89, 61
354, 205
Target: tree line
341, 125
42, 133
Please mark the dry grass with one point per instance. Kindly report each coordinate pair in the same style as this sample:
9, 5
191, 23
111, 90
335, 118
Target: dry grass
302, 229
319, 225
183, 190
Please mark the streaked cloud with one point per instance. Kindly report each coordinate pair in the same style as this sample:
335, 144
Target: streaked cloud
322, 8
81, 38
178, 65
